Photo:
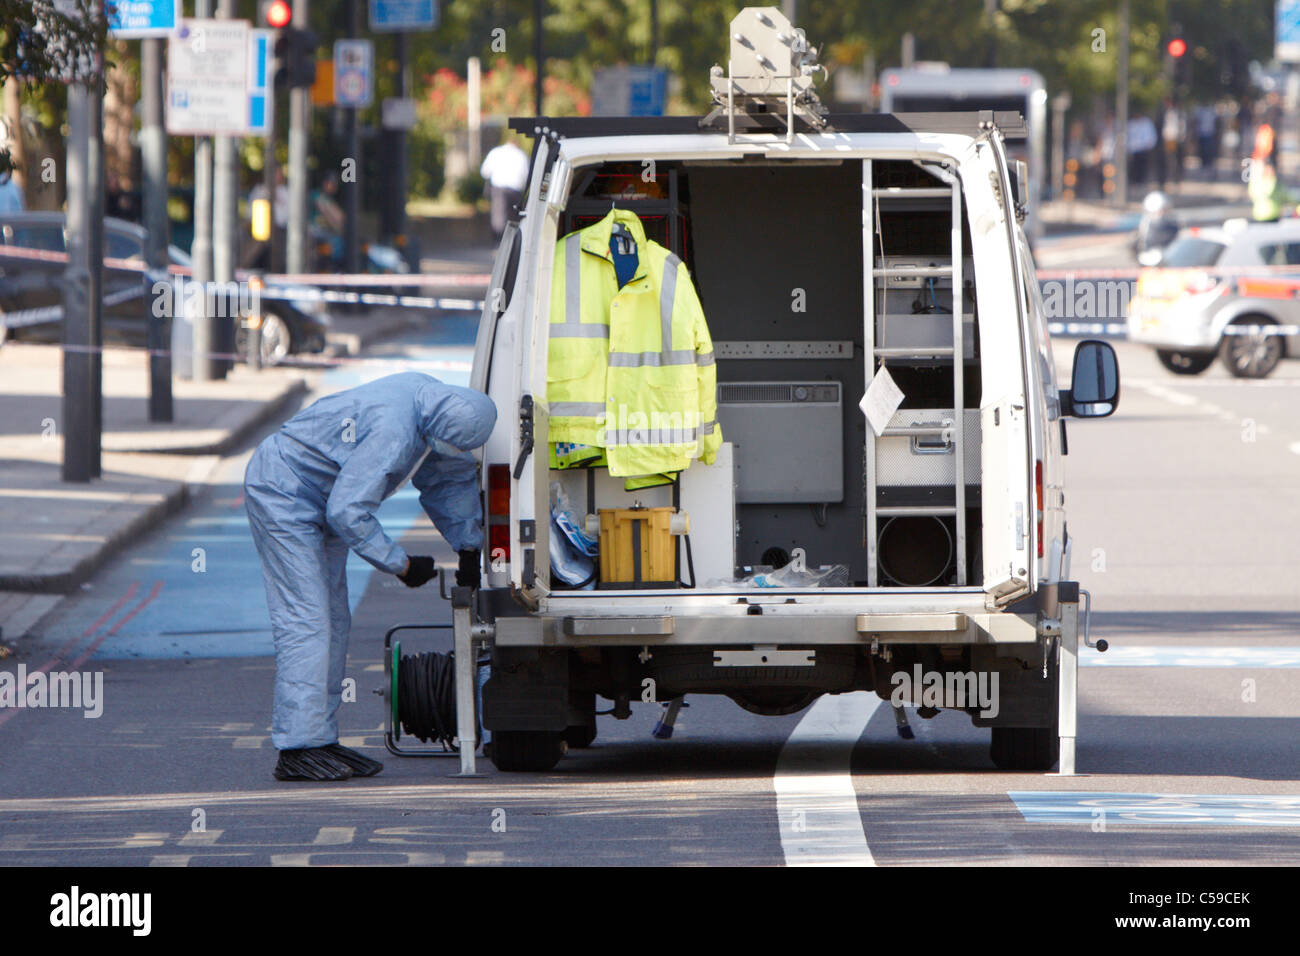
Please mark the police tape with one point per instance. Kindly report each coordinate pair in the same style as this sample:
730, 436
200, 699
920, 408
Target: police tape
310, 294
297, 360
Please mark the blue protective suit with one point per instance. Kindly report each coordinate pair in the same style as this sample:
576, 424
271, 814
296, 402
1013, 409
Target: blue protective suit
311, 491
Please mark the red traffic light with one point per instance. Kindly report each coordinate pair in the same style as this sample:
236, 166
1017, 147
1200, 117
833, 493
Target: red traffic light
1177, 47
278, 14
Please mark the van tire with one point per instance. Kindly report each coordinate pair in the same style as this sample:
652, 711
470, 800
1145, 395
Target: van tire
1185, 363
1025, 748
1246, 356
527, 750
580, 736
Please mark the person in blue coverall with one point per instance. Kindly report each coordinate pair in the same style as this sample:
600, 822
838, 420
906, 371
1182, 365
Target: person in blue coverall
311, 491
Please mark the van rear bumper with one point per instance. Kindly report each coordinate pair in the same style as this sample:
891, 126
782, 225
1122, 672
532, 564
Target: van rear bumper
922, 617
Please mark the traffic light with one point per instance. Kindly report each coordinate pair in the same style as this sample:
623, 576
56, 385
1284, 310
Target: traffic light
277, 14
1177, 47
295, 49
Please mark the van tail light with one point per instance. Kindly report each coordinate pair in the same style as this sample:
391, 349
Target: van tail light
498, 513
1038, 502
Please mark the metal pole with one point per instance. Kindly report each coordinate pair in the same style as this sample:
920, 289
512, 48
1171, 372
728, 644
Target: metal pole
402, 160
80, 442
201, 251
474, 95
1121, 109
95, 260
225, 225
654, 31
299, 112
153, 191
352, 191
538, 13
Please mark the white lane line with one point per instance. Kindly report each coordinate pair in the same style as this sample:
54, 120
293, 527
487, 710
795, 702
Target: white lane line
816, 804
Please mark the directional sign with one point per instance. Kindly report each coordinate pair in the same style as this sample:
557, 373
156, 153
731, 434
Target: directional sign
398, 15
207, 78
629, 91
261, 47
132, 19
1287, 31
353, 72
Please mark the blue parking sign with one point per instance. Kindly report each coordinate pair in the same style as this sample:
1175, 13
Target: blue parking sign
130, 19
399, 15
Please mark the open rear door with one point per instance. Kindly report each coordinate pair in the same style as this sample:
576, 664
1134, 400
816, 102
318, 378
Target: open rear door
1006, 502
529, 471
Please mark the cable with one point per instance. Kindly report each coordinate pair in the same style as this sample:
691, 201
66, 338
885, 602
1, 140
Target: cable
426, 697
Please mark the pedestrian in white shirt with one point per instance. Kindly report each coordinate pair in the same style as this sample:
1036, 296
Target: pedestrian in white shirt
505, 170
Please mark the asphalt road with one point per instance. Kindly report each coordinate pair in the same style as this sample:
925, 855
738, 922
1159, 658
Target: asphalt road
1184, 511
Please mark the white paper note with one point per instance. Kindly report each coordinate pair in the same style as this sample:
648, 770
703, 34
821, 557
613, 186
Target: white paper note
881, 401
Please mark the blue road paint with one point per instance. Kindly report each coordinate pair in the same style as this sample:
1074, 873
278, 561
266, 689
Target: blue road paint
1153, 655
1161, 809
220, 611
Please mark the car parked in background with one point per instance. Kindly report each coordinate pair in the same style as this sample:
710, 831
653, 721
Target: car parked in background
1214, 295
31, 289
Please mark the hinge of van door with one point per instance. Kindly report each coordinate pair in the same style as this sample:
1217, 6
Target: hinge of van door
525, 433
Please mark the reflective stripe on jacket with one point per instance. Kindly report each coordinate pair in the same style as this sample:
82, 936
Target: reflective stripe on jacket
630, 370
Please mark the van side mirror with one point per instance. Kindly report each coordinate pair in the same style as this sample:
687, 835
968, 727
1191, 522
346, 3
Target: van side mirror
1094, 382
1020, 183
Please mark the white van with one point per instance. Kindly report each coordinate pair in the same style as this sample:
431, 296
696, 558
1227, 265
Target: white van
823, 248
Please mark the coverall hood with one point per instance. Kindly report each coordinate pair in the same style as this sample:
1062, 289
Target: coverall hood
461, 417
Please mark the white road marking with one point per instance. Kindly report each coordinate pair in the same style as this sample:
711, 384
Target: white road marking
204, 838
170, 859
821, 824
335, 836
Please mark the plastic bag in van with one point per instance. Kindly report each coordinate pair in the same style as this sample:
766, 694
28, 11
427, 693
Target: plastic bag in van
829, 576
572, 551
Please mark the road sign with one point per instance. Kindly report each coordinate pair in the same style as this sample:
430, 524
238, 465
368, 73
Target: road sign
353, 72
1287, 31
398, 15
629, 91
261, 45
207, 78
132, 19
398, 113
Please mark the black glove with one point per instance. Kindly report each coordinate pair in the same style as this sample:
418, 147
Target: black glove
470, 574
420, 570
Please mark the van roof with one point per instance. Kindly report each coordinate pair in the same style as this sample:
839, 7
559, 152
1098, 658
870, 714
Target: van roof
1011, 123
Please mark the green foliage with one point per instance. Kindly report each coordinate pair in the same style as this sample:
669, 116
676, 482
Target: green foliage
469, 188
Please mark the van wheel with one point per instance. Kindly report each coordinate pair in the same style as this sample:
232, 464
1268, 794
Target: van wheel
1025, 748
1185, 363
581, 736
527, 750
1251, 356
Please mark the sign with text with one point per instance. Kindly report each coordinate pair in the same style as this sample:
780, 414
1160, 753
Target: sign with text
133, 19
398, 15
207, 78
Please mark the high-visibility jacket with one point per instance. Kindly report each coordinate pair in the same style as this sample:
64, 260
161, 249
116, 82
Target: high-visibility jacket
631, 370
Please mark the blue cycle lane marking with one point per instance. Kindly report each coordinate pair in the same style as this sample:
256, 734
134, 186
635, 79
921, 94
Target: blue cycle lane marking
1167, 809
221, 610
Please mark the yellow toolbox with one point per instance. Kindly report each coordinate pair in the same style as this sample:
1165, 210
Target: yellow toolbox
638, 548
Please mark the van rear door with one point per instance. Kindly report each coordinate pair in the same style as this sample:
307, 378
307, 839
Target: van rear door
1006, 499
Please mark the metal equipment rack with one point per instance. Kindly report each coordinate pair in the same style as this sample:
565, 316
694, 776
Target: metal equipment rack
955, 433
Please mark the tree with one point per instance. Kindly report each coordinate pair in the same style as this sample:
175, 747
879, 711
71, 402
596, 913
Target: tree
40, 45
